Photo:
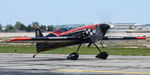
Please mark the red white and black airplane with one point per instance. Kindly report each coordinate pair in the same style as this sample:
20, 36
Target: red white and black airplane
66, 37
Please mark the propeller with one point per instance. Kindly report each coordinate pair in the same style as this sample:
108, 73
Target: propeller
99, 34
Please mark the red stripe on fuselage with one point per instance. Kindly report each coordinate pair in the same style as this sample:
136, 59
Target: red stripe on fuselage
78, 29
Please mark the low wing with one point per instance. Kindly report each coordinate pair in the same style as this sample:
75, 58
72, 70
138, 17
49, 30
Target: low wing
48, 43
124, 38
65, 39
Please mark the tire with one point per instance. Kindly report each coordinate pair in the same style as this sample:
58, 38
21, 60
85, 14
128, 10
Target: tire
102, 55
73, 56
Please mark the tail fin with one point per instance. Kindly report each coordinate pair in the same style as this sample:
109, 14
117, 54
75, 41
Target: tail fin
38, 32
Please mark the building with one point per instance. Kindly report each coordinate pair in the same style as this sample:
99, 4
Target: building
145, 27
123, 25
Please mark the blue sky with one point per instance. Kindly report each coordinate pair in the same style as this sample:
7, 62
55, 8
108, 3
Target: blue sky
74, 11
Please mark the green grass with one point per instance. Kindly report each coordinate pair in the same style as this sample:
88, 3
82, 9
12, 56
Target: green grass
83, 50
20, 49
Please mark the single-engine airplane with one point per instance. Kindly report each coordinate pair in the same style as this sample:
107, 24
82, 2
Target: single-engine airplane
66, 37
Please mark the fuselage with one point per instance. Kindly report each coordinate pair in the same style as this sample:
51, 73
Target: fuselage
58, 33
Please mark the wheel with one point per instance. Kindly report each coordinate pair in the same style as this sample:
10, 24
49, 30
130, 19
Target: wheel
73, 56
102, 55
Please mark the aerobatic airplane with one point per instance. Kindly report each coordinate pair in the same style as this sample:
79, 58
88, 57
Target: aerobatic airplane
67, 37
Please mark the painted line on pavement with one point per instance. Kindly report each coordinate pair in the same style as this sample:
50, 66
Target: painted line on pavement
104, 71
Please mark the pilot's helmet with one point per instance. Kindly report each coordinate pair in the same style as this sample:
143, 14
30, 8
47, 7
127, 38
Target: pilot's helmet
67, 28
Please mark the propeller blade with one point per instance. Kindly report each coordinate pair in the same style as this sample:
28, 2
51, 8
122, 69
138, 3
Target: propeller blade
98, 34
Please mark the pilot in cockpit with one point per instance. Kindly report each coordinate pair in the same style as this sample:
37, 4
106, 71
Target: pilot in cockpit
65, 29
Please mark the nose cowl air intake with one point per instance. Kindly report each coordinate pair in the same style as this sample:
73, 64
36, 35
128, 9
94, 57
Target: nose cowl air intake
104, 28
100, 32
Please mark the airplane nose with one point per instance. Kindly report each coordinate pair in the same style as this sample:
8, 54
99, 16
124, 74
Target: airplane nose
104, 26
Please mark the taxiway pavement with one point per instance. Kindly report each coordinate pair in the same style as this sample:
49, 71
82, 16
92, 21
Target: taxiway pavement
57, 64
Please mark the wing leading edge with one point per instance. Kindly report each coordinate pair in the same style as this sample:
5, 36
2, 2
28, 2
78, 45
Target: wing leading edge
65, 39
124, 38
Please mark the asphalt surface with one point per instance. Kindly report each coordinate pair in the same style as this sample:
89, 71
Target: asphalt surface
57, 64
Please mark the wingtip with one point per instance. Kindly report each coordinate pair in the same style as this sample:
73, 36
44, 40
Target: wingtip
19, 39
142, 38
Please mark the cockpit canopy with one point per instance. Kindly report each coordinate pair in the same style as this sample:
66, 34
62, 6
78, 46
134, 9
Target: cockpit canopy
65, 29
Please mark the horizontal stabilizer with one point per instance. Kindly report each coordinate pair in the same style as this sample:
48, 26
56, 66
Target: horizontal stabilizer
42, 39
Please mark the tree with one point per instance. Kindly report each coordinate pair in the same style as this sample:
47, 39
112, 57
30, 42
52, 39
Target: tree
1, 28
50, 28
19, 26
22, 27
9, 28
43, 28
29, 28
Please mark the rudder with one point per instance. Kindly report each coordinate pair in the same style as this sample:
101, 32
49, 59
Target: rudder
38, 32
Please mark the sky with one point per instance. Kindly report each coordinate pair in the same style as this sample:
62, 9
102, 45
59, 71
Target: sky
59, 12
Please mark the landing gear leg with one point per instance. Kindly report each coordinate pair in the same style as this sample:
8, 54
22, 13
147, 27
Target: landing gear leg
101, 44
74, 55
35, 54
101, 55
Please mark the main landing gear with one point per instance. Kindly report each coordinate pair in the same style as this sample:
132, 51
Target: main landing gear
101, 55
74, 55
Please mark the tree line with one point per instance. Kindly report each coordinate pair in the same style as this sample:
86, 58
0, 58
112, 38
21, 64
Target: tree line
20, 27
